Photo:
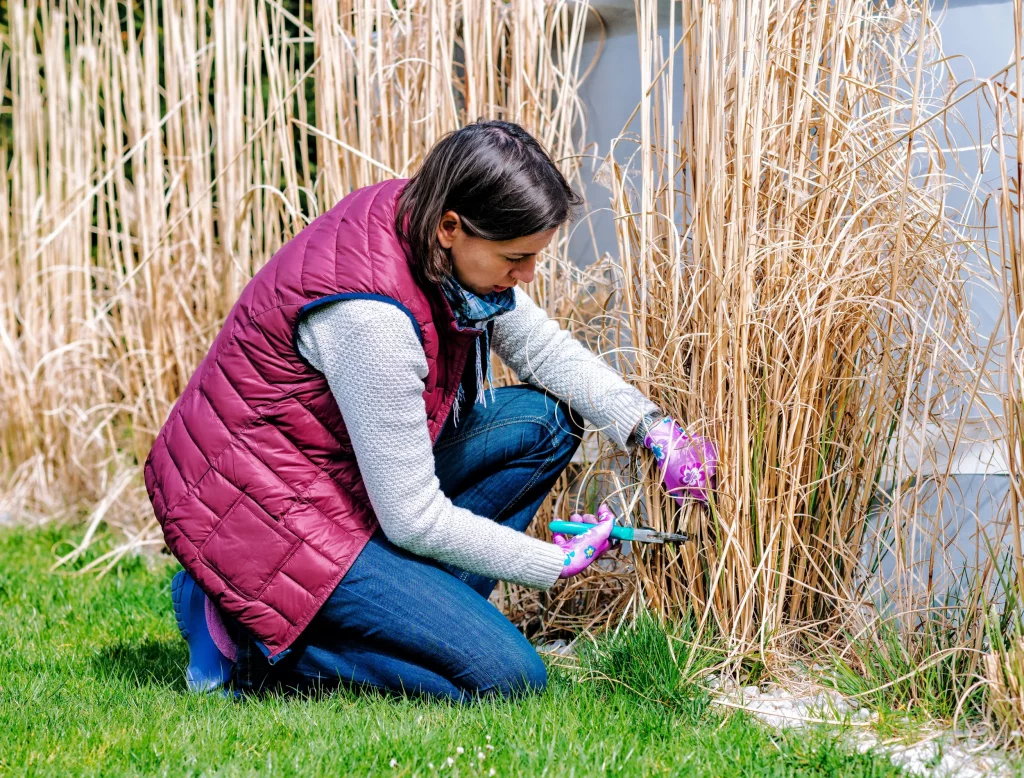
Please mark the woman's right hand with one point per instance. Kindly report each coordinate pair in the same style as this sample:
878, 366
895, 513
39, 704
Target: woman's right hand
582, 550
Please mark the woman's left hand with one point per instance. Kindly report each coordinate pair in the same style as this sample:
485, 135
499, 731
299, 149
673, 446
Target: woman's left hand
582, 550
687, 463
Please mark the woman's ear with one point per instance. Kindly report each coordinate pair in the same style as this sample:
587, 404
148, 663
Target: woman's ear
446, 229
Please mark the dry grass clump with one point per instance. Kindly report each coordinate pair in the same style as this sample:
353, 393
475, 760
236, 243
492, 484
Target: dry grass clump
156, 155
788, 284
1004, 672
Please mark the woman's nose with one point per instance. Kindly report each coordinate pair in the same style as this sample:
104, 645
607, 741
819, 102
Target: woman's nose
524, 271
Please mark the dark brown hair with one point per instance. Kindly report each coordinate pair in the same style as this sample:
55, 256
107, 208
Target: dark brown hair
499, 181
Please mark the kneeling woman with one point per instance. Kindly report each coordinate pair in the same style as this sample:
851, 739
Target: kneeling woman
339, 485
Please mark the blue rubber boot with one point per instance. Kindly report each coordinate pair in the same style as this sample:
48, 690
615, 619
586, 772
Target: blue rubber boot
208, 669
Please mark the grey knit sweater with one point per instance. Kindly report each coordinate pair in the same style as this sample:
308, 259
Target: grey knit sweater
381, 401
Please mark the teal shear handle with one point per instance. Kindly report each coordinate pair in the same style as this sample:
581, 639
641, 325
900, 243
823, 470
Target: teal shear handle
629, 534
578, 528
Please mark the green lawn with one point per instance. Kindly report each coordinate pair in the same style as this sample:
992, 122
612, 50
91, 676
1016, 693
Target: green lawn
91, 683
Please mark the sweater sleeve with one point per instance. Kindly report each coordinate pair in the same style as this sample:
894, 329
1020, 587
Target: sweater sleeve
381, 401
543, 354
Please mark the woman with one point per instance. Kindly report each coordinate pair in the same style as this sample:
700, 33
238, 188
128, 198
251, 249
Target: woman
337, 478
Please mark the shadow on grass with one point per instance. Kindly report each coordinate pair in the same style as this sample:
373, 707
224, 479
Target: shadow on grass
153, 663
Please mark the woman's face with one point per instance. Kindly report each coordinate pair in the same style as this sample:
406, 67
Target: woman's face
484, 266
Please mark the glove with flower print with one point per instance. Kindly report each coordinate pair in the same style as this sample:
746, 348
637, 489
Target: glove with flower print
687, 463
582, 550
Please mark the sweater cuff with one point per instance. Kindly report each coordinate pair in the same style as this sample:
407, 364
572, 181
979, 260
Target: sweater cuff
542, 570
624, 410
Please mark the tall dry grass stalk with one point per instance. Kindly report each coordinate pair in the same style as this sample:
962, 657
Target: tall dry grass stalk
1007, 95
1004, 663
160, 153
789, 284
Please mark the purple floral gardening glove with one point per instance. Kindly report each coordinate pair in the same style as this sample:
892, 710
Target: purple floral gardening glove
581, 550
687, 463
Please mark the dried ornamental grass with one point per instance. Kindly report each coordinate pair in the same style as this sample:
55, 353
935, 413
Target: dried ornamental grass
159, 155
787, 284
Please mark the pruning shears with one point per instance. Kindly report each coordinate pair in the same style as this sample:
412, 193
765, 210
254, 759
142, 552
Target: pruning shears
629, 534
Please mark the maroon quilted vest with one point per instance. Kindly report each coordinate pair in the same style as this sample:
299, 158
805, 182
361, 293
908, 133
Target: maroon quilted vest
252, 476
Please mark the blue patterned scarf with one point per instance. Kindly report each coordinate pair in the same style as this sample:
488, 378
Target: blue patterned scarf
473, 310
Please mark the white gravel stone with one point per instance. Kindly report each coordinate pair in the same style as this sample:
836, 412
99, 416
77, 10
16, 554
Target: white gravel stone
938, 755
962, 759
560, 647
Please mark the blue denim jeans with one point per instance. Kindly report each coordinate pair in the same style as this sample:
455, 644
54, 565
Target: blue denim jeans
402, 623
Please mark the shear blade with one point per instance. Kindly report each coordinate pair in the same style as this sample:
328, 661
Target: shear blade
653, 536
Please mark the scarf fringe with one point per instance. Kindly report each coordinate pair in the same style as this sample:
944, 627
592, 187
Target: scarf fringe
460, 397
475, 311
480, 352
